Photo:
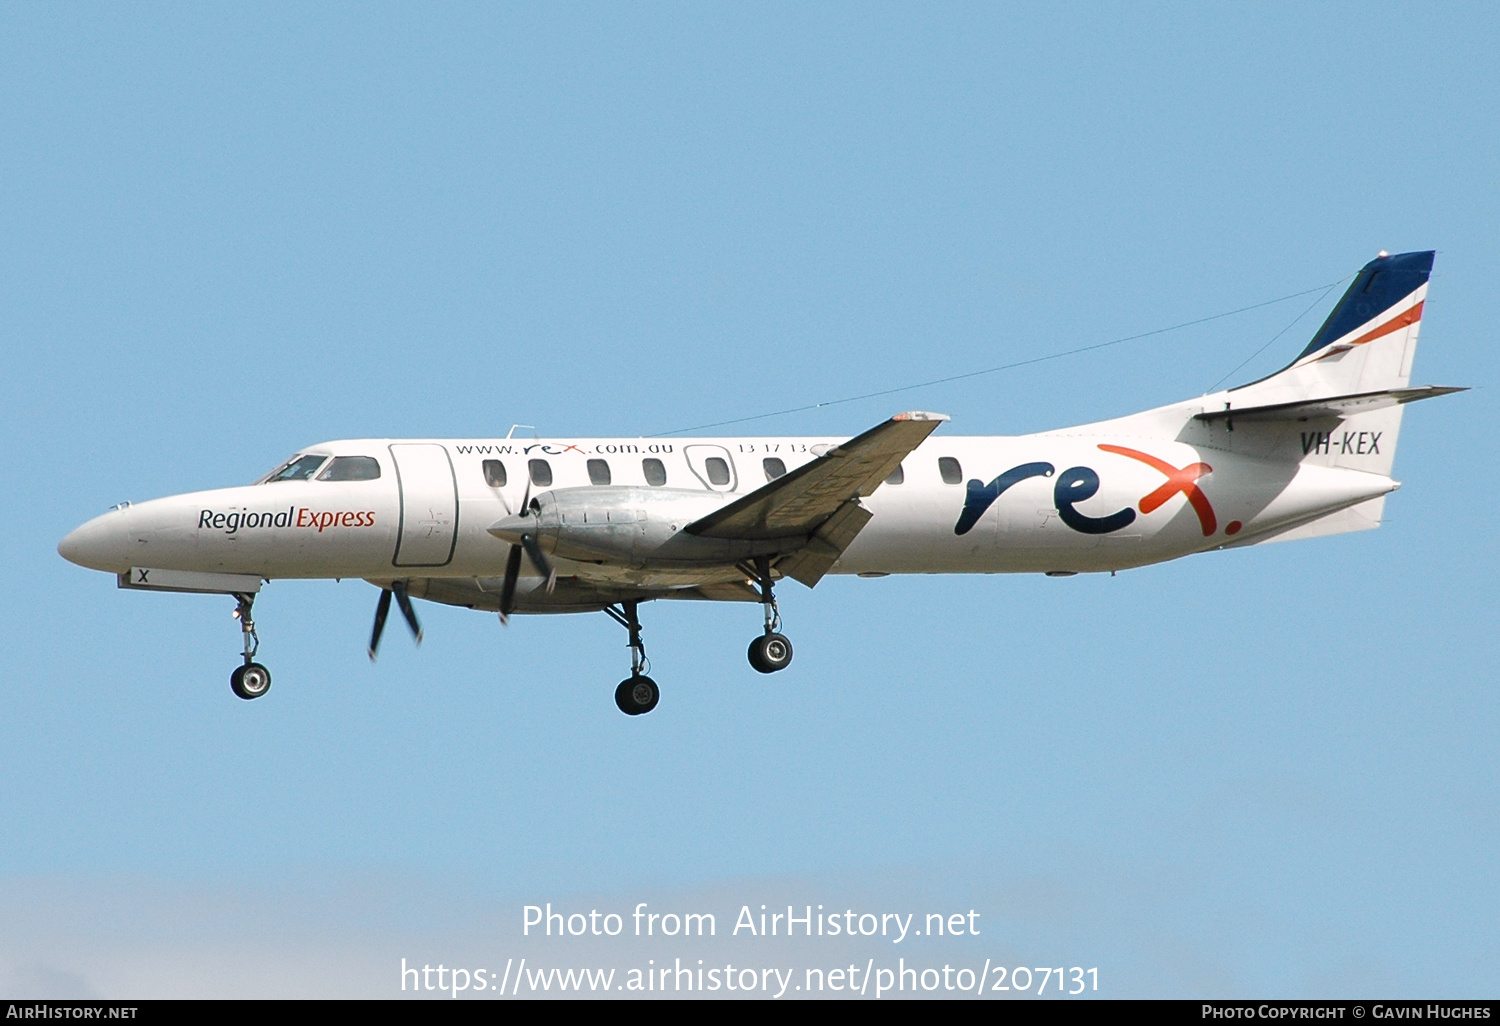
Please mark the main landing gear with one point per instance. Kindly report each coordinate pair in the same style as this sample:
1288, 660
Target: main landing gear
638, 693
252, 679
771, 651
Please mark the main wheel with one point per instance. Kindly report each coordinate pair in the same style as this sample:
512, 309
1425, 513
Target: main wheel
770, 652
250, 681
637, 695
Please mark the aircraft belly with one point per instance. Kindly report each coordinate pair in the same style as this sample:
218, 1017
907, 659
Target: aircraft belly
645, 577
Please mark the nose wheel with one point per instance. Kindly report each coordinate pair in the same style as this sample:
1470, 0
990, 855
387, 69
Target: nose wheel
771, 651
638, 693
252, 679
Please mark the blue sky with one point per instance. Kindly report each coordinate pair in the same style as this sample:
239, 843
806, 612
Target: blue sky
230, 232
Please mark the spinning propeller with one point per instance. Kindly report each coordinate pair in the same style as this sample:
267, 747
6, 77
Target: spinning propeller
383, 608
521, 535
520, 530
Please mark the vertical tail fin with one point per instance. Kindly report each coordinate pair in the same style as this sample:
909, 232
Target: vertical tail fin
1367, 342
1366, 345
1387, 295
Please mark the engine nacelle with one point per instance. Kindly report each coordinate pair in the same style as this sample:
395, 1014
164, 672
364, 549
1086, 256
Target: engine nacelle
637, 527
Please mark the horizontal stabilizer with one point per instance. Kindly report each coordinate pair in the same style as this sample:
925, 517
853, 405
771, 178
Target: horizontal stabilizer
1331, 407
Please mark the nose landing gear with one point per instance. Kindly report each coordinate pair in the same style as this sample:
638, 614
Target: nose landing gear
252, 679
638, 694
771, 651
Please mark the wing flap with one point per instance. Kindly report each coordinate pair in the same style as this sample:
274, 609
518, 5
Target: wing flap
808, 564
798, 503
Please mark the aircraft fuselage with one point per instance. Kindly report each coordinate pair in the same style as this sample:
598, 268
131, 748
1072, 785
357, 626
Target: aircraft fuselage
1036, 503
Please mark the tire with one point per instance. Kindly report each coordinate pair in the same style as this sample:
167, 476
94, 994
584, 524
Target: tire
770, 653
637, 695
757, 657
250, 681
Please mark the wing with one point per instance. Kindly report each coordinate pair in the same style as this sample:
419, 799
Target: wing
799, 502
817, 505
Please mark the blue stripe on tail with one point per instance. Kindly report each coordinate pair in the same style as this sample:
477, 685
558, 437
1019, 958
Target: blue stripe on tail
1380, 285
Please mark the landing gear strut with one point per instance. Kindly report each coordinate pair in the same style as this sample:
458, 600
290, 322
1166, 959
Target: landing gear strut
637, 694
252, 679
771, 651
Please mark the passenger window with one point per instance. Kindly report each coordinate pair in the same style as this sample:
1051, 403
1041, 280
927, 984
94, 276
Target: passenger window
656, 471
774, 467
494, 473
951, 471
718, 470
897, 476
598, 472
541, 473
298, 468
352, 468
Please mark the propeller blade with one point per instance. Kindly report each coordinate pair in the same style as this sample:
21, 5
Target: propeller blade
539, 560
508, 590
399, 587
382, 609
525, 498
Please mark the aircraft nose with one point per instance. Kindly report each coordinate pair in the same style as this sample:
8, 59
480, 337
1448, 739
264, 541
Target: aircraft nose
101, 544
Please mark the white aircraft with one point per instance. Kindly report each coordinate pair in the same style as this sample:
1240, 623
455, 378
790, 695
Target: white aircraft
582, 525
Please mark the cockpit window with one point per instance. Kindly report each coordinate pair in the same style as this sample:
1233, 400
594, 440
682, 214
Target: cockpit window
298, 468
352, 468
